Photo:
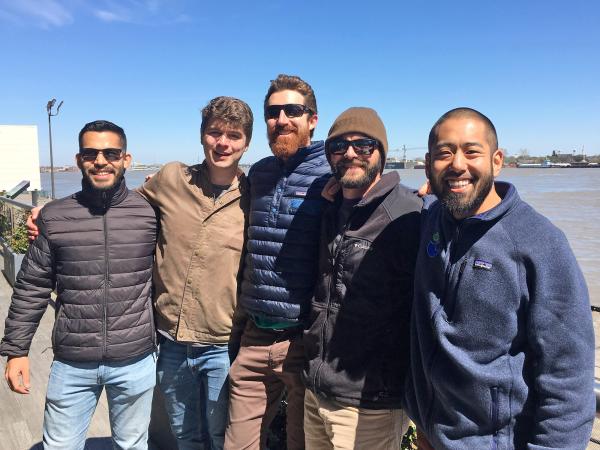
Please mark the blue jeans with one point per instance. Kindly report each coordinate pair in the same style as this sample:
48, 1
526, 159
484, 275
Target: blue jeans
194, 382
73, 392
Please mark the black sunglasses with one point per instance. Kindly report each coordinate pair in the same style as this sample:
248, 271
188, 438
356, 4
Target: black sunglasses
110, 154
362, 147
291, 110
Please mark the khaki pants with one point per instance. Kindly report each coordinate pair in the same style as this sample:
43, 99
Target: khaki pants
268, 362
331, 425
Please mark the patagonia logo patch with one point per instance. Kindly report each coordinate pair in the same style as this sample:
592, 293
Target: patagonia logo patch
481, 264
300, 193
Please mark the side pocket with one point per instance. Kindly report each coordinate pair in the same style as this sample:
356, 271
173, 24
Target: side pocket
59, 314
153, 330
494, 413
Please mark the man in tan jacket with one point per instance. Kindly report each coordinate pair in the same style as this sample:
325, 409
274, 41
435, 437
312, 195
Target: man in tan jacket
202, 217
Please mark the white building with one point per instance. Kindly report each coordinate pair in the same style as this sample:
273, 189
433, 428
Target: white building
19, 156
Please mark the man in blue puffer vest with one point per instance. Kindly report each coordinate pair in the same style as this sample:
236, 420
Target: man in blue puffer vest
280, 268
502, 343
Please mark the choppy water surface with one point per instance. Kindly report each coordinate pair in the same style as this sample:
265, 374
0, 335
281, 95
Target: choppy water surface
570, 198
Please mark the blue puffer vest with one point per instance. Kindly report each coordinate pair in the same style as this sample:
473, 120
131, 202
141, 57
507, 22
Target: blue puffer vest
283, 236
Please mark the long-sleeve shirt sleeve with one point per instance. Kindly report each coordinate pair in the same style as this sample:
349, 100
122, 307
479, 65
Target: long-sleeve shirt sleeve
561, 335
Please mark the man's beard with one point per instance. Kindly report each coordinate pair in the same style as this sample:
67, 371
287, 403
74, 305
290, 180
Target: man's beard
461, 205
369, 174
285, 146
118, 172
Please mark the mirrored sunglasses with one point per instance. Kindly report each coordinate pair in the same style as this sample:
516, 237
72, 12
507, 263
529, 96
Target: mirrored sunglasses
110, 154
362, 147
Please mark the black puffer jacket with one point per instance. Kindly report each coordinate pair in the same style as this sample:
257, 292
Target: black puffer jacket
358, 341
97, 249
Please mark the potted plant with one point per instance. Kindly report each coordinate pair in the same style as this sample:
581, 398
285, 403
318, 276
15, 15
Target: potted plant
14, 245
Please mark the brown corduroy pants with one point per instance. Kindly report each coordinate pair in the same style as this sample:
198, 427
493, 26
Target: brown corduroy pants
268, 362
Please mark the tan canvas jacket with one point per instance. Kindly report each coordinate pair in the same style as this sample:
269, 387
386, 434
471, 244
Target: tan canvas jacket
198, 253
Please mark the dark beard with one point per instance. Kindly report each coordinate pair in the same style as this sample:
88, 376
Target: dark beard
456, 204
371, 172
119, 174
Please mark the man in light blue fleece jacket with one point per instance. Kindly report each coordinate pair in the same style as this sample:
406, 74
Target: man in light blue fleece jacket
502, 343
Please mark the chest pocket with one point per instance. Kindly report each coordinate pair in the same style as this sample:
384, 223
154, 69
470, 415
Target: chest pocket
483, 304
361, 271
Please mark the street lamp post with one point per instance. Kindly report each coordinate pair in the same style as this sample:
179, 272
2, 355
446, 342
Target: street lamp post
49, 107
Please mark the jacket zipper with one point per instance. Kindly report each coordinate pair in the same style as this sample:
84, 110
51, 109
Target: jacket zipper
448, 262
275, 205
432, 359
332, 284
495, 415
106, 276
452, 305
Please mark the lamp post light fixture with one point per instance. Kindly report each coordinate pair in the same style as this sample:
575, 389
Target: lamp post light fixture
49, 107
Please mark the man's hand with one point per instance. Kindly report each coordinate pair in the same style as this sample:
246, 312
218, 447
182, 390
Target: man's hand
17, 374
32, 229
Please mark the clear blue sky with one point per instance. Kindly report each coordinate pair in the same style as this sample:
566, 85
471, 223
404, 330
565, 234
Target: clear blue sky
149, 65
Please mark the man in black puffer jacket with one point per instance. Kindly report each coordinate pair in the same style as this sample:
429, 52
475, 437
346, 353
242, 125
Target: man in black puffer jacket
357, 343
96, 248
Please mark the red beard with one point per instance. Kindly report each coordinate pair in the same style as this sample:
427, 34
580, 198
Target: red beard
285, 146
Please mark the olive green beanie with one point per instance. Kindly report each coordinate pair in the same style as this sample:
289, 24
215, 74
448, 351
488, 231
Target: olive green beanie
360, 120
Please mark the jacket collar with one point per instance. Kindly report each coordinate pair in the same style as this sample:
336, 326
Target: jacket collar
203, 177
386, 183
314, 150
103, 198
509, 199
199, 176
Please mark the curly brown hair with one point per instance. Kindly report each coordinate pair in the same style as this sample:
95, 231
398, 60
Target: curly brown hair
230, 110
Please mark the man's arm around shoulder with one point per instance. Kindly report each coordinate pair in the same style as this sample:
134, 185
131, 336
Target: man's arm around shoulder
153, 189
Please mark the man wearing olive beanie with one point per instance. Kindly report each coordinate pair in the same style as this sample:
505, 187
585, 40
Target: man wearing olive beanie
360, 120
357, 341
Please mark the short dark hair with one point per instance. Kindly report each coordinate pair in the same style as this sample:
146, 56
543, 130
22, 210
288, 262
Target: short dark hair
103, 125
230, 110
465, 112
293, 83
